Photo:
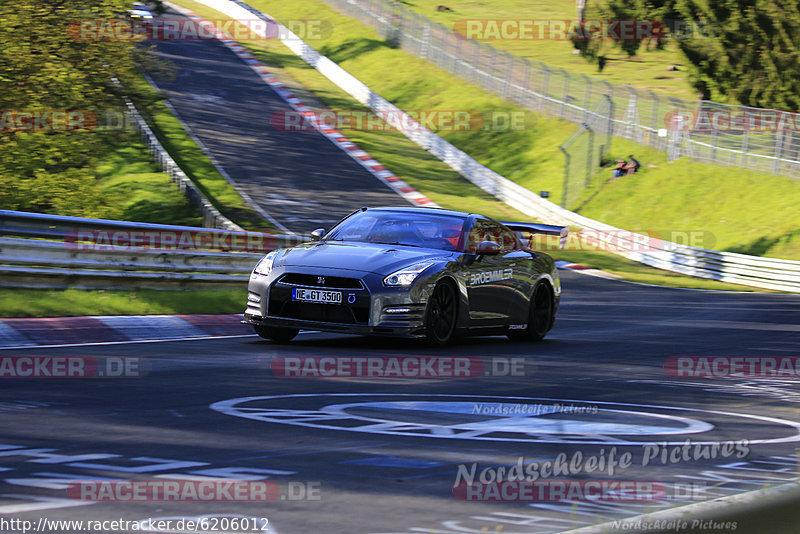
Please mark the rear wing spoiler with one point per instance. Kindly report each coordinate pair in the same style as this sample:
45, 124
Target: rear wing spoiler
535, 228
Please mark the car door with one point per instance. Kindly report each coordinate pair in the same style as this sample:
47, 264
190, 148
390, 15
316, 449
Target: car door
490, 278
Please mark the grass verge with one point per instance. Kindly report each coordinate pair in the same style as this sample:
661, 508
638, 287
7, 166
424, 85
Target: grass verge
76, 302
130, 180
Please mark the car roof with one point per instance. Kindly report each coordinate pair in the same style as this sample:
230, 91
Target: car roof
410, 209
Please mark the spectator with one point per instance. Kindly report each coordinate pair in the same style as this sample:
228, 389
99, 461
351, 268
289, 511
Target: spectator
632, 166
620, 169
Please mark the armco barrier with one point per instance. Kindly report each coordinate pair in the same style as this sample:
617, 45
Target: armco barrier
768, 273
49, 251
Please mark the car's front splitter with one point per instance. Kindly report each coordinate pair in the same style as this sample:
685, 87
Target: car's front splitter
385, 329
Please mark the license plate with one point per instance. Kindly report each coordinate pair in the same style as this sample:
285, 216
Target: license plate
317, 295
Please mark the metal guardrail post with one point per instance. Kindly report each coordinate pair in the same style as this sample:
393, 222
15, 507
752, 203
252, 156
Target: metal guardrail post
590, 158
565, 186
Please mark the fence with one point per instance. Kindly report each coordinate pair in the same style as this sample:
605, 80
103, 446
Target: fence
764, 140
50, 251
584, 152
579, 166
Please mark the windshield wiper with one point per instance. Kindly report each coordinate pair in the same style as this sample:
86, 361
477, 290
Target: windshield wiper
395, 243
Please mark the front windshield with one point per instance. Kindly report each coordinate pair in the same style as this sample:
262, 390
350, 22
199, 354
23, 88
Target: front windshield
420, 229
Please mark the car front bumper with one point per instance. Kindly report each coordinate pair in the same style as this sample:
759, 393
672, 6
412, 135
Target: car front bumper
369, 309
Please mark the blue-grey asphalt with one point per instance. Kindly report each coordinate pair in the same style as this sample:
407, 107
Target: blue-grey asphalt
301, 179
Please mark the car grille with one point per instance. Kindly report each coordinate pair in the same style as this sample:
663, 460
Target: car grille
355, 311
313, 280
326, 313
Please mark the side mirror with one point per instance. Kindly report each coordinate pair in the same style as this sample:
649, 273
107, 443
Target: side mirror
487, 248
317, 234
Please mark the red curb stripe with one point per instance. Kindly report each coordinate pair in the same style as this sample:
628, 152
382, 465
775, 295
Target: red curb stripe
58, 330
218, 325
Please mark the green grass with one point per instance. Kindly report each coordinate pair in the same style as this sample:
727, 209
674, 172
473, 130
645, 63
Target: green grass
194, 162
748, 213
648, 69
129, 177
76, 302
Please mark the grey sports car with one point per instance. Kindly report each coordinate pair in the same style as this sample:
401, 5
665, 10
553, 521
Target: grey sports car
410, 272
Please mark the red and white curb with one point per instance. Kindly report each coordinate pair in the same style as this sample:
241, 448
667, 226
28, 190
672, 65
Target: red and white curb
22, 333
563, 264
567, 265
337, 138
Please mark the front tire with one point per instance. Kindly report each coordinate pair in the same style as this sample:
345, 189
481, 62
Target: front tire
540, 316
440, 323
276, 334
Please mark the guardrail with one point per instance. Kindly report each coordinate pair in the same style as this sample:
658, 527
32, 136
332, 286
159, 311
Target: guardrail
50, 251
767, 273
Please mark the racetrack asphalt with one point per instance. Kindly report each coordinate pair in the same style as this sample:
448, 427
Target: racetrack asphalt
379, 455
301, 179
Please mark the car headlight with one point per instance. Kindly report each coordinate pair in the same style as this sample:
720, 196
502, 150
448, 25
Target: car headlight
405, 276
264, 267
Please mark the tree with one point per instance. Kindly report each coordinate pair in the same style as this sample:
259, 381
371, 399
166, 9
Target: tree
747, 51
591, 46
45, 67
596, 48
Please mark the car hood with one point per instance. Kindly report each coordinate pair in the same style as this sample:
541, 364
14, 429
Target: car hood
366, 257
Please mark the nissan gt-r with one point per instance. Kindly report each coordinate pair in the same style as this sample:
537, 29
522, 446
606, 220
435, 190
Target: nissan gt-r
412, 272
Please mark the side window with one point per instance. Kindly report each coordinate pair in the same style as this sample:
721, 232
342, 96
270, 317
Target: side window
505, 238
484, 230
479, 232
